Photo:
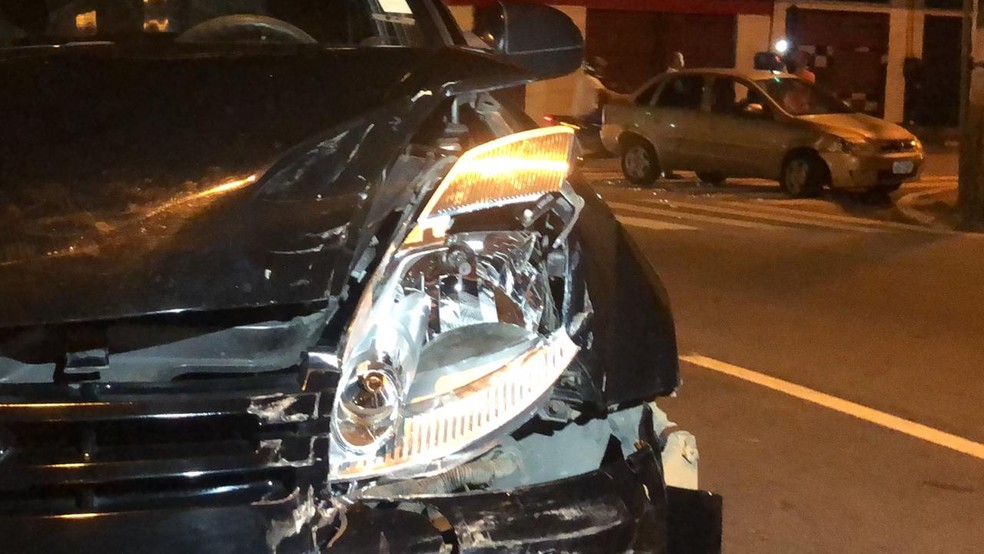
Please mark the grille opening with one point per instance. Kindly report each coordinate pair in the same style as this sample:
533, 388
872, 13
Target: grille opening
153, 446
155, 494
893, 146
123, 440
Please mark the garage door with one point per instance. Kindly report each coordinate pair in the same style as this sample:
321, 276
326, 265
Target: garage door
638, 44
850, 53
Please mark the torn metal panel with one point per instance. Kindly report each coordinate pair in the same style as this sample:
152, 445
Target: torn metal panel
377, 531
284, 409
604, 511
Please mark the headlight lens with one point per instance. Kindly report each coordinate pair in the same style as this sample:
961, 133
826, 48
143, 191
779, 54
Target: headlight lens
454, 340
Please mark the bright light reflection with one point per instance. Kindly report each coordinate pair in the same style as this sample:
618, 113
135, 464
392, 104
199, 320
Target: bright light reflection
519, 166
78, 516
53, 405
499, 167
216, 190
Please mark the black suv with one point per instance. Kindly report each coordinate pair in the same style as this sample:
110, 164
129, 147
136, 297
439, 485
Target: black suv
288, 276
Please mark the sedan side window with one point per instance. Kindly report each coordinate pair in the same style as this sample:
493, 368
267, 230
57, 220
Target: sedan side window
731, 97
683, 92
646, 97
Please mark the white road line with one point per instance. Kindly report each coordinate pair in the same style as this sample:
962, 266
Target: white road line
602, 174
895, 423
798, 219
693, 217
837, 218
652, 224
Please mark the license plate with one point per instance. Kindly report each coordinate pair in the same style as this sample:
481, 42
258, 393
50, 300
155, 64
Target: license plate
903, 167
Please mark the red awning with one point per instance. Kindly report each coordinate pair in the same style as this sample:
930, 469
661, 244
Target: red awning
761, 7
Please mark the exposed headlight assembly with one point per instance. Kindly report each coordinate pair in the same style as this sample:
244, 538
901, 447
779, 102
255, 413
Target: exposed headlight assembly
456, 339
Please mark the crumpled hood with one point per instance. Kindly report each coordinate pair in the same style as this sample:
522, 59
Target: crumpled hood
856, 125
144, 183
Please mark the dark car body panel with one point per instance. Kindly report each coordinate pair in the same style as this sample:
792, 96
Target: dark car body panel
137, 186
633, 320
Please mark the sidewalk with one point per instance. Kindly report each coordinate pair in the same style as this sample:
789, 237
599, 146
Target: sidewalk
941, 161
934, 206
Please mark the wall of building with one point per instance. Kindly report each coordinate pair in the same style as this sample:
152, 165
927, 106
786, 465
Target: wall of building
752, 34
905, 39
464, 15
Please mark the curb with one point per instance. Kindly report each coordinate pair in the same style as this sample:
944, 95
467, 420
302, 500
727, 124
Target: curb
907, 208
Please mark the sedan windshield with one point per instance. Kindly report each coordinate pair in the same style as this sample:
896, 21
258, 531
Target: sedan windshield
798, 97
328, 22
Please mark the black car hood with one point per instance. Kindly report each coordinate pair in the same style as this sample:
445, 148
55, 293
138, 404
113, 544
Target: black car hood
135, 184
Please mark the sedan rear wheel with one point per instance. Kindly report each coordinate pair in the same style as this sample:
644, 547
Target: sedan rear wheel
639, 163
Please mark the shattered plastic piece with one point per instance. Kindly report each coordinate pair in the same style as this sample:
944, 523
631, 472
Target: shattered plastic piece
421, 94
274, 409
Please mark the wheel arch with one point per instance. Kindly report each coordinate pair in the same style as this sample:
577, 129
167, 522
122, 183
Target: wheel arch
626, 136
802, 151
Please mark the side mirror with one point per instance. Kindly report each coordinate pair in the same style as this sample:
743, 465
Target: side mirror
755, 111
537, 37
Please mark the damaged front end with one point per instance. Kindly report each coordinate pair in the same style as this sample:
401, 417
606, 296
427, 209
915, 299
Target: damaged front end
472, 405
479, 376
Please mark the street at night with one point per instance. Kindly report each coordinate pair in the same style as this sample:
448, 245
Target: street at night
863, 308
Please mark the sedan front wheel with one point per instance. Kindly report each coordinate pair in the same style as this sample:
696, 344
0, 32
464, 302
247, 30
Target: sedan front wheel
804, 175
639, 163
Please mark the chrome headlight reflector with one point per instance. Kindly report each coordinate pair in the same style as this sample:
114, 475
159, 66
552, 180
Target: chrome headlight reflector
456, 339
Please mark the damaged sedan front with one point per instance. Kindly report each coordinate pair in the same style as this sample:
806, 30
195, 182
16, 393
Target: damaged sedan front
352, 303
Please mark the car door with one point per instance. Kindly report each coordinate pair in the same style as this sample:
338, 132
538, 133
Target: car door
677, 122
746, 139
620, 115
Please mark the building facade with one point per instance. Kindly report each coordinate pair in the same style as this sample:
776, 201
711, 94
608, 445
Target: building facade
898, 59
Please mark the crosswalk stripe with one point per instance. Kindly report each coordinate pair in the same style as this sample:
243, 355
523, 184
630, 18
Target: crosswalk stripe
766, 208
651, 224
798, 219
693, 217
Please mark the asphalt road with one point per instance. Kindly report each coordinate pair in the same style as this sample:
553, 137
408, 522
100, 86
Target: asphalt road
837, 296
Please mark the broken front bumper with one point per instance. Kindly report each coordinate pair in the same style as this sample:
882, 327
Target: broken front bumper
858, 172
620, 508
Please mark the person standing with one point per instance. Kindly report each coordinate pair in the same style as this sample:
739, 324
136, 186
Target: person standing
590, 92
801, 67
675, 63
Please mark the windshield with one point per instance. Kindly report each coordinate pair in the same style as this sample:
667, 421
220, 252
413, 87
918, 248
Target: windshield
799, 97
328, 22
